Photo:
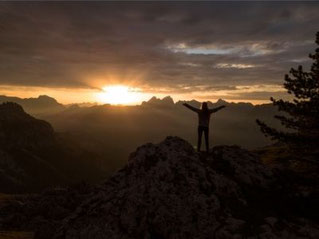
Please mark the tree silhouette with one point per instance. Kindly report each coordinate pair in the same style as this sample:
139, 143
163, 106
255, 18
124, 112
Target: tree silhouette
301, 118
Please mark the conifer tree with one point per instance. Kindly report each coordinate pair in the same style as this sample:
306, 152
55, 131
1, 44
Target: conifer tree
301, 114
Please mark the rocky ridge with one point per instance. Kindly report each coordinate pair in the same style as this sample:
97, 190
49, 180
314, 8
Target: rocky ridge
170, 191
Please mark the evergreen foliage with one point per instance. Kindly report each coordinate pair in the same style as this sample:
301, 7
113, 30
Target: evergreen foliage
301, 115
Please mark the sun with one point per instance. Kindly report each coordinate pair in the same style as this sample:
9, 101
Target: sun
119, 95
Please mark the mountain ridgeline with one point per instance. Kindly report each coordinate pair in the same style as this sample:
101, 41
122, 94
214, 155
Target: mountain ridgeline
113, 132
153, 120
41, 105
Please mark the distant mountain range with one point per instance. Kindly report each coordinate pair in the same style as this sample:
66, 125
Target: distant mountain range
113, 132
168, 101
46, 105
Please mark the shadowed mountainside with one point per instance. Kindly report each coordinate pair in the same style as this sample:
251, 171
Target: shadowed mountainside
33, 156
168, 191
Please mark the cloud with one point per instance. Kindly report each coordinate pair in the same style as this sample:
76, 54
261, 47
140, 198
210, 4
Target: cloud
204, 50
230, 65
154, 45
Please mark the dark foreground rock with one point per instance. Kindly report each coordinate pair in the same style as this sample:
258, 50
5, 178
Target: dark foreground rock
42, 213
170, 191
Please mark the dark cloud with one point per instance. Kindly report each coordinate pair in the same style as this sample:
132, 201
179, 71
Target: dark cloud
178, 46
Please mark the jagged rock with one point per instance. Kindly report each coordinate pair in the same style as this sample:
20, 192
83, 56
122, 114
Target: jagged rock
164, 190
165, 102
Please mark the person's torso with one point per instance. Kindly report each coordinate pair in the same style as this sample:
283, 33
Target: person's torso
203, 118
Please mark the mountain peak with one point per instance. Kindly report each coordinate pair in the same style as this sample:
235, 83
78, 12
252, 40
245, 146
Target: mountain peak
42, 104
154, 101
221, 101
10, 107
47, 98
168, 99
21, 130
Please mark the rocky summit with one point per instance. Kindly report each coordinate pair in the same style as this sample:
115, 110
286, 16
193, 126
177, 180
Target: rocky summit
168, 190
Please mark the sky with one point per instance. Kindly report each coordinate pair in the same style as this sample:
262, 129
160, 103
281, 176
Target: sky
72, 51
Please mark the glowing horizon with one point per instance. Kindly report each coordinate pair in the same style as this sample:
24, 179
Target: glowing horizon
123, 95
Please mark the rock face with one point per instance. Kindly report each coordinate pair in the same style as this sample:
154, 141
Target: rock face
170, 191
243, 166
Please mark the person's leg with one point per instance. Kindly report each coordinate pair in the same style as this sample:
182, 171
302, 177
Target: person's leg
199, 140
206, 133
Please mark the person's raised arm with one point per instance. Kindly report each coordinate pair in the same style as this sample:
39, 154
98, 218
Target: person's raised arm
191, 107
217, 109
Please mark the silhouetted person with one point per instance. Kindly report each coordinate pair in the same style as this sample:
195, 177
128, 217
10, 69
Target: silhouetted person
203, 122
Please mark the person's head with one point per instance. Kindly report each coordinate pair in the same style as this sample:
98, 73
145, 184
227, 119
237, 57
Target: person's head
204, 106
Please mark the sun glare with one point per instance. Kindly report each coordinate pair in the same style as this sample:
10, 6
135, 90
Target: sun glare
119, 95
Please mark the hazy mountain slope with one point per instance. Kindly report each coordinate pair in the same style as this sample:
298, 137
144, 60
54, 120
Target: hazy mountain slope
23, 140
33, 157
115, 131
